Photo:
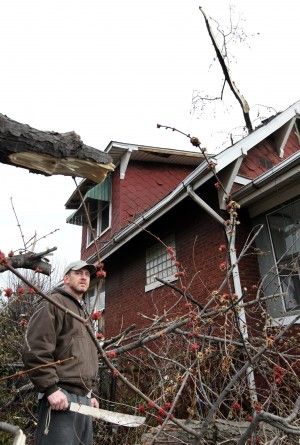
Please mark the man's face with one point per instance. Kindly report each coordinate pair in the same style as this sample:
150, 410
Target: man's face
78, 281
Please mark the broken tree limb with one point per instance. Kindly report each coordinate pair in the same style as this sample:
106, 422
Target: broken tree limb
240, 98
30, 260
50, 153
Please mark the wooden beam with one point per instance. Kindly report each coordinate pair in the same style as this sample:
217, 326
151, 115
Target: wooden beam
282, 135
227, 177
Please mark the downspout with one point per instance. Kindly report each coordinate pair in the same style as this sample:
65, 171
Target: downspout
236, 284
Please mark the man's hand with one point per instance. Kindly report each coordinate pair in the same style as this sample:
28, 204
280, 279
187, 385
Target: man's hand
58, 400
94, 403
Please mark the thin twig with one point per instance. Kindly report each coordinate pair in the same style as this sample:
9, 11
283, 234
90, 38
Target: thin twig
18, 223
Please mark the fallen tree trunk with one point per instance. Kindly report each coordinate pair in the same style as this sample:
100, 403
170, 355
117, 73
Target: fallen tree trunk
50, 153
30, 260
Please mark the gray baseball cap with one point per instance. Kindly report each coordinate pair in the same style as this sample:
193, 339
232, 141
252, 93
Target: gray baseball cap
80, 264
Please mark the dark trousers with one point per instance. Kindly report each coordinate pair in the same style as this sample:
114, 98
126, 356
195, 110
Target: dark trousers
63, 427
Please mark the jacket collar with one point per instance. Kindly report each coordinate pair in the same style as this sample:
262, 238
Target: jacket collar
63, 292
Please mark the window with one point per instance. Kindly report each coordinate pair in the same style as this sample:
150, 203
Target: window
99, 213
159, 264
95, 301
280, 261
284, 227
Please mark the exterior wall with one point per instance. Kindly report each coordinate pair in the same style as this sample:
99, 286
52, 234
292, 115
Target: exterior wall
144, 185
197, 238
264, 156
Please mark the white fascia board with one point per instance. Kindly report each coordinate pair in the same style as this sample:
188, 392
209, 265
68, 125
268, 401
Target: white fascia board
242, 180
242, 147
120, 145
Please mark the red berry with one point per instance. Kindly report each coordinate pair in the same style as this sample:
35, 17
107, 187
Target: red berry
141, 408
96, 315
2, 258
162, 412
179, 274
111, 354
258, 407
195, 141
10, 254
8, 292
151, 404
223, 266
236, 406
167, 405
170, 251
159, 419
101, 274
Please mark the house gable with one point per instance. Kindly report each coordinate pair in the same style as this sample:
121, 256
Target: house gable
264, 156
143, 186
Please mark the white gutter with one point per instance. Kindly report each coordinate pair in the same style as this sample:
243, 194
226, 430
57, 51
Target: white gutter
283, 171
176, 196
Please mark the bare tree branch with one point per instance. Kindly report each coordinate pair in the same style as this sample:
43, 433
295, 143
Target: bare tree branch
240, 98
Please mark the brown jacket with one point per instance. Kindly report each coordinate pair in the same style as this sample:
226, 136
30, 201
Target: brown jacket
54, 335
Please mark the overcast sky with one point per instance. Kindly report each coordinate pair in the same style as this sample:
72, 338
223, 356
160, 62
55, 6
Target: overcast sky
112, 69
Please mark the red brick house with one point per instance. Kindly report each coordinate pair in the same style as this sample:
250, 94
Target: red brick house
171, 194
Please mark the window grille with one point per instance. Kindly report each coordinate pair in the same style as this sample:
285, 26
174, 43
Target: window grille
158, 262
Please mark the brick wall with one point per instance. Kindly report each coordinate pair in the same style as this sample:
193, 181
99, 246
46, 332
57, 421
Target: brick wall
197, 238
144, 185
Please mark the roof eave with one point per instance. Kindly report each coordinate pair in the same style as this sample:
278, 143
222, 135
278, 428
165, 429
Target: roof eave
284, 171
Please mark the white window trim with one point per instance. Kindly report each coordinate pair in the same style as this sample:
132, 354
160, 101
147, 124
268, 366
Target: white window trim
98, 235
157, 284
285, 319
282, 321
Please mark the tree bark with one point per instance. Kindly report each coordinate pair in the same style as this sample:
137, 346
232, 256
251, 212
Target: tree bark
50, 153
30, 260
239, 97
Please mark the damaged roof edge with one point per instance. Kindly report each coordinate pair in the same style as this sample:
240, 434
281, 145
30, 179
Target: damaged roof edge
196, 178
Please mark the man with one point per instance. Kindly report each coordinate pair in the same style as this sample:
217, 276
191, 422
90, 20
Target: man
53, 335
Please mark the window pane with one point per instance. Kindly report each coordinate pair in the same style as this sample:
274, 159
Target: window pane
158, 262
104, 215
285, 232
